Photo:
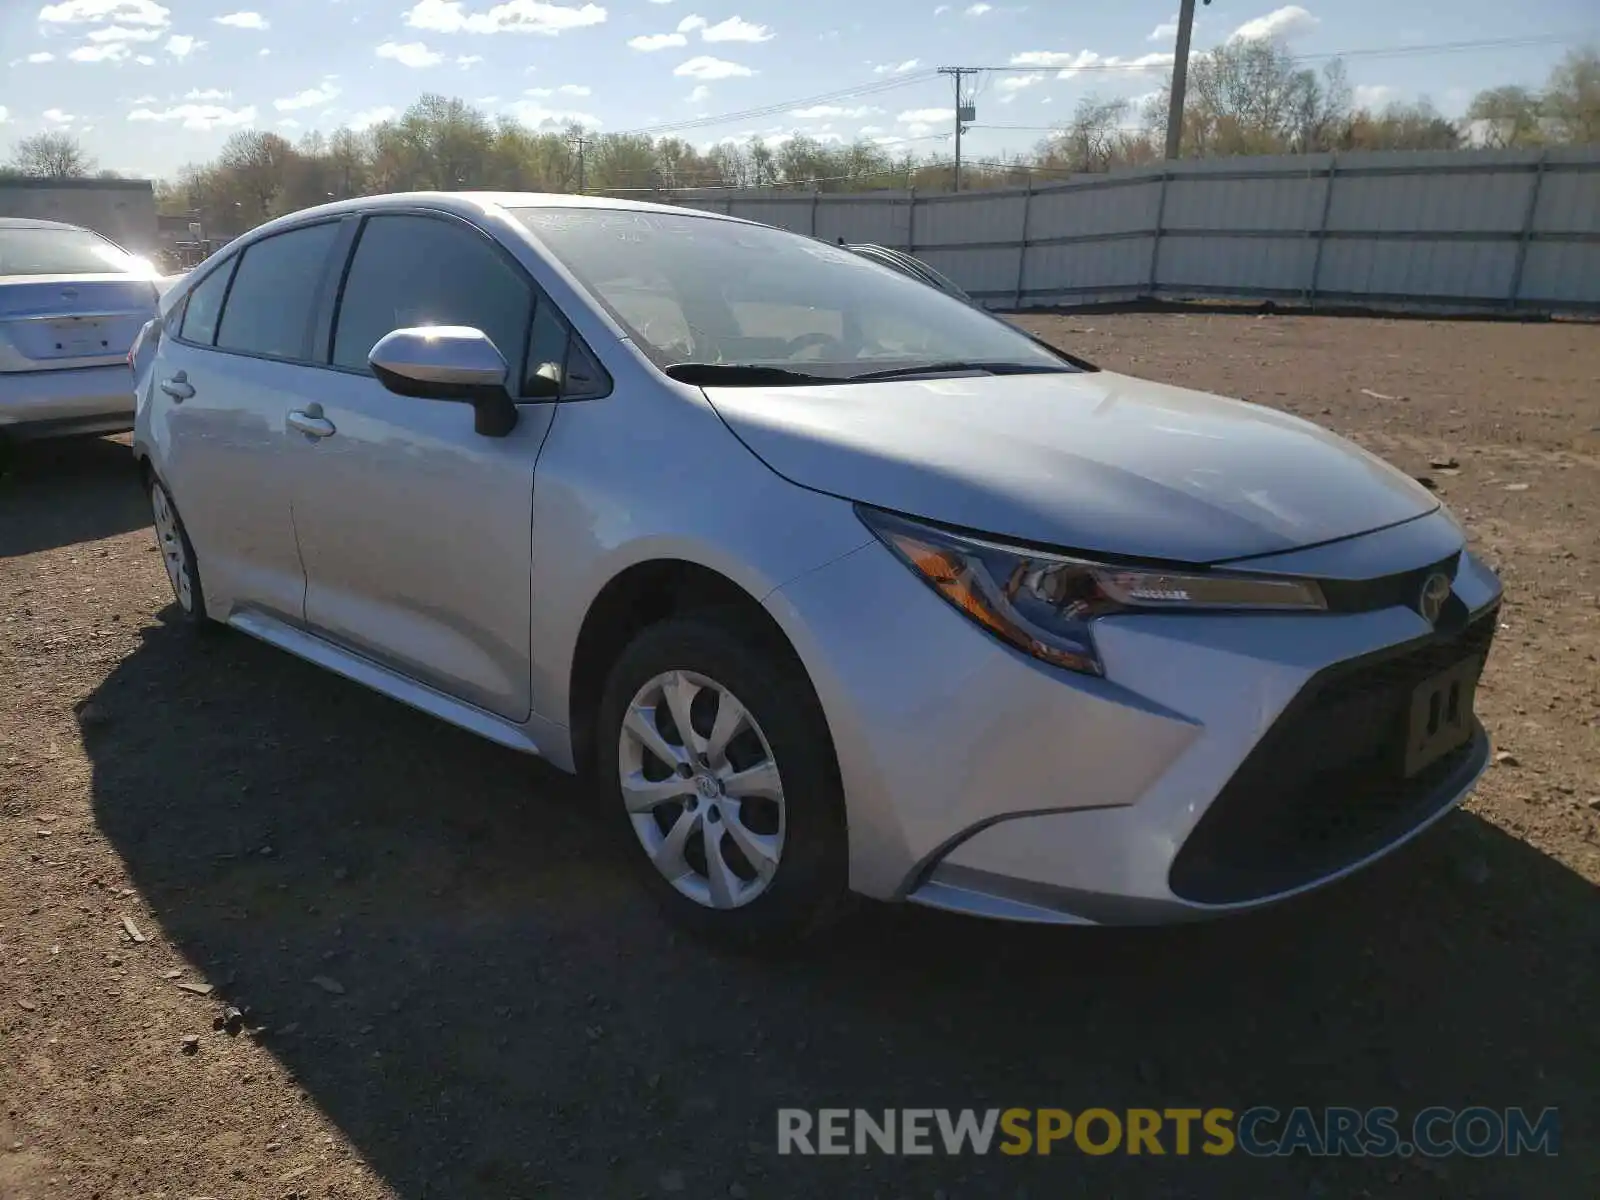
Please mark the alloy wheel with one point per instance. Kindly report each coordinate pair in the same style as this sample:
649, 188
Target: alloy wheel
170, 542
702, 789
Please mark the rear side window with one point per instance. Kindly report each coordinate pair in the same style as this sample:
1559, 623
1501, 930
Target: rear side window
274, 293
204, 306
410, 271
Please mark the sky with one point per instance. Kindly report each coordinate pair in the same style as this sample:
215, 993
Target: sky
149, 85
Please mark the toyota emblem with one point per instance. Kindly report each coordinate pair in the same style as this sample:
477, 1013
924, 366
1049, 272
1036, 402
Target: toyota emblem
1430, 601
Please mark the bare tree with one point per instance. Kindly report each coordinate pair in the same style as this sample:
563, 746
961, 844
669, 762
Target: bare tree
51, 156
1572, 98
1508, 116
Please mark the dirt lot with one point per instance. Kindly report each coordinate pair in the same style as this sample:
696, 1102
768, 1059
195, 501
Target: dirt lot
462, 995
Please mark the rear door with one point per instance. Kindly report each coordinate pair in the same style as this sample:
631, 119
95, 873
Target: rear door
224, 383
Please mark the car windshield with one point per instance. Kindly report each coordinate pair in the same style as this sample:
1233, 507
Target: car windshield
42, 251
723, 294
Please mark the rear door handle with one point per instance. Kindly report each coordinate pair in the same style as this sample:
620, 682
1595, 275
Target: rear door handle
310, 424
178, 387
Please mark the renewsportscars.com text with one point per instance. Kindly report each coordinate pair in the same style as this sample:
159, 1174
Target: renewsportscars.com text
1261, 1131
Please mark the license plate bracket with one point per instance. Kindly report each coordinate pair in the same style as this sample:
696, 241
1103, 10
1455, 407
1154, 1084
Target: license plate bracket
78, 337
1440, 718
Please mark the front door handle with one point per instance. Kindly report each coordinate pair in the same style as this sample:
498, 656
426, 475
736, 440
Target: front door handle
311, 424
178, 387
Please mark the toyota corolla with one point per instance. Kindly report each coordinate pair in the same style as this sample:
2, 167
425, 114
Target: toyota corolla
832, 583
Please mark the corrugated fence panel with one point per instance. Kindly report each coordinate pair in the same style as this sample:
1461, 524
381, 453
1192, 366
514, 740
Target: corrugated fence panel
981, 269
1454, 203
1121, 265
1207, 266
1425, 269
1290, 202
1440, 228
884, 222
1094, 209
978, 217
1561, 273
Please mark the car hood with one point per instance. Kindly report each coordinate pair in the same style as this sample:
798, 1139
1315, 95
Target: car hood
1095, 461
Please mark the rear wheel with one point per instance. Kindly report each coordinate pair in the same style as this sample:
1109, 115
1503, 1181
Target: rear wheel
716, 755
177, 554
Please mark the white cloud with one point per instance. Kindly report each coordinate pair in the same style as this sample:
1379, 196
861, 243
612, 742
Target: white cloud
690, 23
5, 114
651, 42
512, 16
181, 45
121, 33
288, 123
926, 116
144, 60
868, 130
1375, 95
1164, 32
409, 54
145, 99
704, 66
574, 89
468, 60
977, 10
107, 52
1071, 64
941, 10
540, 117
197, 94
831, 111
701, 92
1012, 85
899, 68
368, 117
736, 29
56, 117
200, 117
42, 56
324, 93
1289, 22
244, 20
83, 12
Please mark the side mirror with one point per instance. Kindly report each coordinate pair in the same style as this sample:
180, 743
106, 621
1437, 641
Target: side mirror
448, 362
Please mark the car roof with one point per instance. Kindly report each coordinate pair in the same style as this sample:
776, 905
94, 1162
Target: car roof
472, 204
34, 223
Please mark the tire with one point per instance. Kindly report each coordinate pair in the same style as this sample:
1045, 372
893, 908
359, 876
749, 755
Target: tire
783, 738
177, 554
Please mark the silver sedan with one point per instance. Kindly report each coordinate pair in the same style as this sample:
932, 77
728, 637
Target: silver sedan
71, 303
833, 584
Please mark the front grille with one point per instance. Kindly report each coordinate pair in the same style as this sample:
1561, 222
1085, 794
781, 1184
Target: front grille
1326, 786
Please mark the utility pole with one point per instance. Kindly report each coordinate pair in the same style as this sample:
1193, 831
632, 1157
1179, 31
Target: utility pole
1180, 78
583, 144
965, 113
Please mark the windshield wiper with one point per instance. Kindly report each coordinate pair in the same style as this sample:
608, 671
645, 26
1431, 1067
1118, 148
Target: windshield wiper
741, 375
954, 365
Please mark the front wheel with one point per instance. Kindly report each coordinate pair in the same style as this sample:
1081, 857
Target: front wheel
716, 755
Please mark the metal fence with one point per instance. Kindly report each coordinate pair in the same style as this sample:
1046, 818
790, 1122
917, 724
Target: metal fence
1481, 230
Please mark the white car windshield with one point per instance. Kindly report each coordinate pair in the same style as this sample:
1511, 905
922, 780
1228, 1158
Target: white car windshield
44, 251
714, 294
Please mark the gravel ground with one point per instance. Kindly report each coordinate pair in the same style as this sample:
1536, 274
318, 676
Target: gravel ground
452, 989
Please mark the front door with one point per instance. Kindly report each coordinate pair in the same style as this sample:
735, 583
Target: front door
415, 531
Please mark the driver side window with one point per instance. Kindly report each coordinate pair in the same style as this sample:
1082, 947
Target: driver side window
415, 270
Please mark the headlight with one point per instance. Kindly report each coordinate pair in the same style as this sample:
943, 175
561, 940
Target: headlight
1044, 603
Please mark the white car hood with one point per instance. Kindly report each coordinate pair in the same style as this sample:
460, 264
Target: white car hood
1095, 461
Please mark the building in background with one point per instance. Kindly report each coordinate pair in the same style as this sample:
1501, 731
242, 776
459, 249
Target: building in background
123, 210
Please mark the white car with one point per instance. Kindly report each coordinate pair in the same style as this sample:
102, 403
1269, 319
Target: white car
71, 303
831, 582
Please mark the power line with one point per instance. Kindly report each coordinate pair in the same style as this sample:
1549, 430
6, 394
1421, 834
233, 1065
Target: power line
850, 93
1422, 48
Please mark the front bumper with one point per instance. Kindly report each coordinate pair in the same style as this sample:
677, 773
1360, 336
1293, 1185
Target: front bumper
980, 780
86, 400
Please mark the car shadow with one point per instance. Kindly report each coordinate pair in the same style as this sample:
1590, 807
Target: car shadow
56, 493
512, 1019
